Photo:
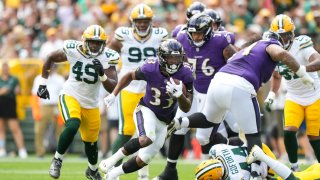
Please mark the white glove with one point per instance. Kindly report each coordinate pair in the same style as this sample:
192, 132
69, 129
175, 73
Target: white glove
306, 78
174, 89
269, 100
109, 100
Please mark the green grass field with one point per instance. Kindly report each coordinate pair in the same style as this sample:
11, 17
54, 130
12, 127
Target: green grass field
74, 167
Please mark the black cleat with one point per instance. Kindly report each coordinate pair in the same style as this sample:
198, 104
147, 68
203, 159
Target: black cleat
168, 174
55, 167
93, 175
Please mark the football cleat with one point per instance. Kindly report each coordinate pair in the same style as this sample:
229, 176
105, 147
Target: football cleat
105, 166
256, 154
55, 167
93, 175
255, 176
167, 174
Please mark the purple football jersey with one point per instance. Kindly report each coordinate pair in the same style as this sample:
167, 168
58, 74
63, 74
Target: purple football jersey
207, 59
156, 97
177, 29
253, 63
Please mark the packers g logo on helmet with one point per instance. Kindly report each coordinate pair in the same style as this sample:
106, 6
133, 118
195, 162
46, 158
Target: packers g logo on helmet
94, 38
141, 12
284, 26
211, 169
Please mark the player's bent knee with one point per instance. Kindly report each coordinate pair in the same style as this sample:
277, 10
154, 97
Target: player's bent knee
140, 162
73, 124
202, 139
144, 141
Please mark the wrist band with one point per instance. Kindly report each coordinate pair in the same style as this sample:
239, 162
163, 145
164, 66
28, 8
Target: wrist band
103, 78
43, 81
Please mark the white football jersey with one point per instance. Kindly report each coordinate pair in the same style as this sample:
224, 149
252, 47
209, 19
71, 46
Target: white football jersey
83, 82
135, 51
233, 159
301, 50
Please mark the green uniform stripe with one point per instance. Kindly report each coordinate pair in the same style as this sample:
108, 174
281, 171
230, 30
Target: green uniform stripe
65, 107
306, 44
113, 62
121, 124
62, 108
118, 37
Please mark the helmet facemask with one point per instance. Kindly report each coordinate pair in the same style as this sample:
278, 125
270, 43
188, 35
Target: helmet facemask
142, 26
287, 39
171, 63
94, 47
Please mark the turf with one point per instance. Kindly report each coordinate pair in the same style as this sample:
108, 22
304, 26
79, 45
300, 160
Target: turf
74, 167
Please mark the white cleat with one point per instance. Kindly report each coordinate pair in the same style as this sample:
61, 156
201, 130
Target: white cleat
255, 154
105, 166
108, 177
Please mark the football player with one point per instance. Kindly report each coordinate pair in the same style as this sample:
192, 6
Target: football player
91, 64
235, 86
302, 102
233, 162
194, 8
134, 44
207, 51
157, 107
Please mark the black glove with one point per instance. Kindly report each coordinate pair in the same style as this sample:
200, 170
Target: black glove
98, 67
43, 92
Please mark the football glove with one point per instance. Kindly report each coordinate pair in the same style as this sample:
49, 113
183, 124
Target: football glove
269, 101
109, 100
98, 67
43, 92
306, 78
174, 89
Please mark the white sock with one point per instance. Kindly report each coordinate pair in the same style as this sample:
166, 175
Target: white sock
116, 172
281, 169
184, 122
294, 164
117, 156
93, 167
58, 155
144, 171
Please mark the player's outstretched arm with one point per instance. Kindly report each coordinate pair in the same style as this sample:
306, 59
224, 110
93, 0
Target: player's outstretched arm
229, 51
110, 83
54, 57
124, 82
279, 54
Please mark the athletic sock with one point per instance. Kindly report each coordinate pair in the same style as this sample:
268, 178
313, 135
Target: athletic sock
175, 148
316, 148
66, 137
91, 150
281, 169
291, 144
118, 143
131, 165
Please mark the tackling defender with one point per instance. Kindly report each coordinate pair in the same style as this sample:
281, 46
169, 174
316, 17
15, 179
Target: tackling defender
91, 64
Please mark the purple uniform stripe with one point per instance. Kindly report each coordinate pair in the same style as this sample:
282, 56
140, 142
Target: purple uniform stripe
140, 121
257, 112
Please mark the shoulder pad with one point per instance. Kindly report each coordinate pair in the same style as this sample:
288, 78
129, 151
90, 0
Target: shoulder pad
69, 46
121, 33
303, 41
159, 31
112, 56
